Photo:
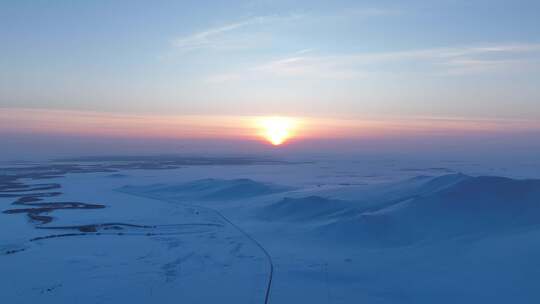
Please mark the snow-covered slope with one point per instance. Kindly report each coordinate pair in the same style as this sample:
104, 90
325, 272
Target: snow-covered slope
311, 208
210, 189
415, 210
444, 208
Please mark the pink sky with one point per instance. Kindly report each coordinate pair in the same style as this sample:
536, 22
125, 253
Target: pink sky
35, 133
79, 123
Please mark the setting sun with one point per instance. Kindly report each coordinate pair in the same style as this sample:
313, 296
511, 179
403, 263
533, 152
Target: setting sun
276, 130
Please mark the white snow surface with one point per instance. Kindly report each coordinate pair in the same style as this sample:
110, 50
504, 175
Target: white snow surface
324, 232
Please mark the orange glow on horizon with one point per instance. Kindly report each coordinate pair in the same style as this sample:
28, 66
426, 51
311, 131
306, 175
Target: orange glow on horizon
277, 130
274, 130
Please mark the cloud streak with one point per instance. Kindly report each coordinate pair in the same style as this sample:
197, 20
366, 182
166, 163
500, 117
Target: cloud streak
215, 38
223, 37
447, 61
208, 38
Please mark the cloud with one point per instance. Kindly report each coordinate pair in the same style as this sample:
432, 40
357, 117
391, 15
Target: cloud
226, 36
208, 37
222, 37
489, 59
448, 61
313, 66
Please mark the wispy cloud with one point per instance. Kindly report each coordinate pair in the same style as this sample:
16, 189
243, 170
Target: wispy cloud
207, 38
225, 36
489, 59
216, 38
451, 60
312, 66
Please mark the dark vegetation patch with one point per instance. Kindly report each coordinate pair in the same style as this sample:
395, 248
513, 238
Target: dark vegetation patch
44, 194
36, 213
13, 251
97, 227
39, 238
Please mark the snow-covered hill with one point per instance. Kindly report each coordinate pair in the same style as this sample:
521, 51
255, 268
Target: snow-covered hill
210, 189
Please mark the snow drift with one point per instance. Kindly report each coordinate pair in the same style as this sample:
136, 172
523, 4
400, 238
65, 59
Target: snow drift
210, 189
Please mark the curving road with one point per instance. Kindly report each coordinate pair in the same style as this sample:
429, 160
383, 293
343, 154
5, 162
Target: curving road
268, 257
242, 231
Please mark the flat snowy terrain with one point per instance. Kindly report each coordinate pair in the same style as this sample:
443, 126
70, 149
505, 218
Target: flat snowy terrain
236, 230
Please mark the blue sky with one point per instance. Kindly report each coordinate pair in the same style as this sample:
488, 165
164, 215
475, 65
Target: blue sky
449, 58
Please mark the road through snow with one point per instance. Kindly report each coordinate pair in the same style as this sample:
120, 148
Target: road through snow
239, 229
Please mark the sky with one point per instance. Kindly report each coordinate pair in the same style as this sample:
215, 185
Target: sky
183, 66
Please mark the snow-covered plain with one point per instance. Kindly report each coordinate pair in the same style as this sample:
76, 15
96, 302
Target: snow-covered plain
317, 231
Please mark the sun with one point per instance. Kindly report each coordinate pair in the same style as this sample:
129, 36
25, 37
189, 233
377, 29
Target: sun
276, 130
